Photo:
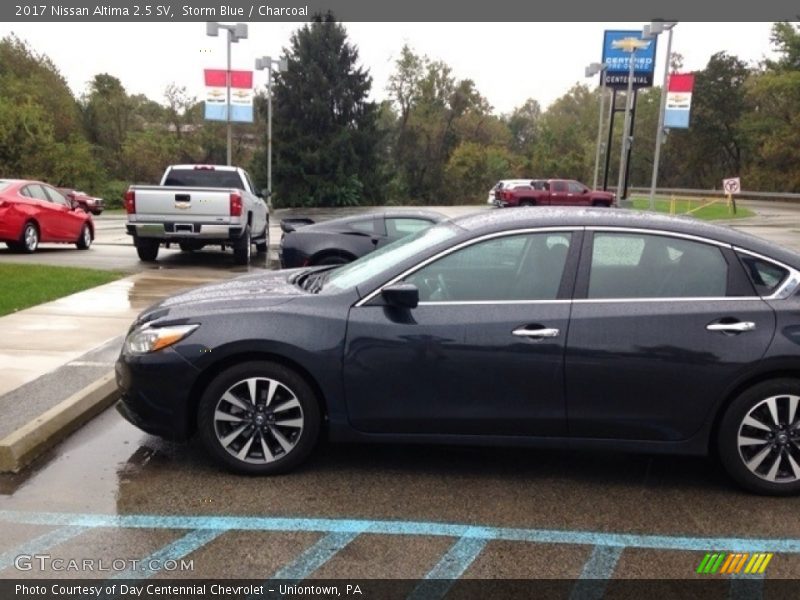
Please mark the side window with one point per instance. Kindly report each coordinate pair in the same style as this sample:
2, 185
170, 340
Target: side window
632, 265
364, 226
766, 276
400, 228
56, 197
517, 267
558, 186
35, 191
575, 187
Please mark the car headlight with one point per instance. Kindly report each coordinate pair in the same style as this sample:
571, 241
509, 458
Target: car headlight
151, 339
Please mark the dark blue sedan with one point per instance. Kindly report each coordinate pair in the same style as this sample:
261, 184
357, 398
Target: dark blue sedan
561, 328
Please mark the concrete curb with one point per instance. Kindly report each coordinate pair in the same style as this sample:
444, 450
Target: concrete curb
20, 448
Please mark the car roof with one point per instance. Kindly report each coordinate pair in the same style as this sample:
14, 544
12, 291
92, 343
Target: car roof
201, 167
534, 217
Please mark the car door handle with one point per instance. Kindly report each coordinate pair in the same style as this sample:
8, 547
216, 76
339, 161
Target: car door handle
738, 327
540, 332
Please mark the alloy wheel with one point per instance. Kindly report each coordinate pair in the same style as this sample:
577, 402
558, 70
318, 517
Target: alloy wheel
769, 439
258, 420
31, 237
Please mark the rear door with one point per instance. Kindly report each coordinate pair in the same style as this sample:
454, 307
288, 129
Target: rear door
558, 192
47, 213
661, 324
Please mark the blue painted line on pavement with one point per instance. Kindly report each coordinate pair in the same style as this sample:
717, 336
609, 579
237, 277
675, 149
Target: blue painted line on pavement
41, 544
451, 567
599, 568
546, 536
176, 550
316, 556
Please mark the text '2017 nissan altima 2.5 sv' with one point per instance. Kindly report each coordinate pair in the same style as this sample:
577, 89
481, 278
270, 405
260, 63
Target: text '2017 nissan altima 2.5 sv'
575, 328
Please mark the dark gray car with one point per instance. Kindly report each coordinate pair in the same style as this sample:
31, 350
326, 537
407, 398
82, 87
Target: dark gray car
565, 328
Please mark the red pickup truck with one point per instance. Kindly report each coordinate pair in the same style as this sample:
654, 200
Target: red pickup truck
552, 192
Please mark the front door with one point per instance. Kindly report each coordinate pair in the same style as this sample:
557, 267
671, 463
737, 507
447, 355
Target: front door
483, 352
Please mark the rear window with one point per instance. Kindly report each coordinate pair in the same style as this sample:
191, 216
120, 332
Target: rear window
204, 178
766, 276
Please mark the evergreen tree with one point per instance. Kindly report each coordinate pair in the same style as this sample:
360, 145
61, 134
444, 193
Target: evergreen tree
326, 138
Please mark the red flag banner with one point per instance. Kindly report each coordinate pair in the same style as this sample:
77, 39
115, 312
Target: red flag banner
681, 82
215, 77
242, 79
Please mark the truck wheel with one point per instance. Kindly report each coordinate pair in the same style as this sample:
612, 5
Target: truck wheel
147, 249
527, 202
262, 247
601, 203
242, 248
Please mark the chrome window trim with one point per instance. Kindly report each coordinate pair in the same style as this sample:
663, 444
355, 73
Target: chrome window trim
789, 285
492, 302
661, 232
443, 253
669, 299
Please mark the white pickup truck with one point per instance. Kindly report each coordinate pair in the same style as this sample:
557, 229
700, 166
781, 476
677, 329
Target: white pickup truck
197, 205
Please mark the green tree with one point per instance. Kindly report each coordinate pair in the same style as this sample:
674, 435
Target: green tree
326, 139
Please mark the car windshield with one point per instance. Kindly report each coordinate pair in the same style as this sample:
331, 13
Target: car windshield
367, 267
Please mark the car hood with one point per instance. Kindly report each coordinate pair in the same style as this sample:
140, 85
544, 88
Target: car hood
255, 292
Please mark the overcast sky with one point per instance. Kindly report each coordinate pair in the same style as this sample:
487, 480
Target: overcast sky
509, 62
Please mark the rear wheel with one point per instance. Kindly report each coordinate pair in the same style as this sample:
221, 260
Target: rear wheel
259, 418
527, 202
147, 249
759, 438
242, 248
85, 238
29, 240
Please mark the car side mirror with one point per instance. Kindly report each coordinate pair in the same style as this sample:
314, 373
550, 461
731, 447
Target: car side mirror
401, 295
585, 190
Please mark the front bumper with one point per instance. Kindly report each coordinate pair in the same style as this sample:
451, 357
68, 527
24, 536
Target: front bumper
155, 393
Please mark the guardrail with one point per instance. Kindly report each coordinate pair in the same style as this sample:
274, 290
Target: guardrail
743, 195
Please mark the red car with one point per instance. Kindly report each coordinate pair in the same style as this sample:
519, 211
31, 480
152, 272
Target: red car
32, 212
552, 192
88, 203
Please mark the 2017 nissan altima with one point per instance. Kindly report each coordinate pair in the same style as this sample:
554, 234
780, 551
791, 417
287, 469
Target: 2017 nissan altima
580, 328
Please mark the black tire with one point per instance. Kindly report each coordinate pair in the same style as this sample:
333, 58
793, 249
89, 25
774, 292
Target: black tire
332, 259
85, 238
600, 203
781, 440
290, 387
147, 249
242, 248
527, 202
29, 240
262, 247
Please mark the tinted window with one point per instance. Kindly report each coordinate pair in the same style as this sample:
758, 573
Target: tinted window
630, 265
559, 186
36, 191
365, 226
519, 267
397, 228
56, 196
766, 276
204, 178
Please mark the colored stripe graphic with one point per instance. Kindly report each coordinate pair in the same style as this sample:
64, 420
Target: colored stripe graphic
733, 563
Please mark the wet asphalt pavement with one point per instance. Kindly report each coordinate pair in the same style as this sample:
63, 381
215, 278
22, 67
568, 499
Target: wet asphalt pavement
355, 511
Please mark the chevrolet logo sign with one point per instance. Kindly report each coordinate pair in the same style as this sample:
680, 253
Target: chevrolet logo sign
630, 44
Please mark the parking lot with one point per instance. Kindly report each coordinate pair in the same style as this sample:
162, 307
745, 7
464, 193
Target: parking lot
424, 515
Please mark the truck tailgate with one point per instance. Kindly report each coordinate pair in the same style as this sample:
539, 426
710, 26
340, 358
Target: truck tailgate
182, 202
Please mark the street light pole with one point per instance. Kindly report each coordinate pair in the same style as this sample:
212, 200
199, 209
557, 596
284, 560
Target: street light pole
236, 32
592, 70
652, 31
626, 128
267, 62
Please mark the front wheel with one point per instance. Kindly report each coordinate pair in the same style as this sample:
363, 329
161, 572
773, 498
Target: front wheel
259, 418
85, 239
759, 438
147, 249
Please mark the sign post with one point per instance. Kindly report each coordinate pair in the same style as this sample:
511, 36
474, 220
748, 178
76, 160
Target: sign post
732, 186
